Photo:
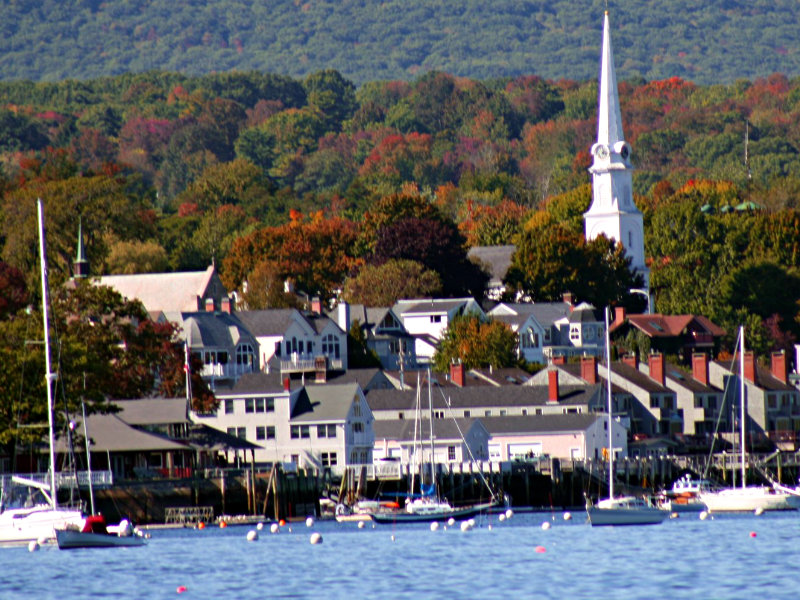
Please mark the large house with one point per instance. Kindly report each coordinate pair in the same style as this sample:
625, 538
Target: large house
454, 440
384, 333
427, 319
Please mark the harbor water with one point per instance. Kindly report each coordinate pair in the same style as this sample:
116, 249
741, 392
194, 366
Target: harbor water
724, 557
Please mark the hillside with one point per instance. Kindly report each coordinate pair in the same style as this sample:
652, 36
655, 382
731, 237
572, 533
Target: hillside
708, 41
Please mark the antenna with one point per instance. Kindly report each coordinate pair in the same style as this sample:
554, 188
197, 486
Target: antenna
747, 149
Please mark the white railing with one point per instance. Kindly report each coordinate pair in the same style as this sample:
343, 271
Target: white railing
65, 480
227, 370
297, 365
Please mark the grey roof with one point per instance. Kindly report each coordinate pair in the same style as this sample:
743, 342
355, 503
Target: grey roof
152, 411
583, 313
328, 402
638, 378
686, 380
274, 321
496, 258
539, 423
425, 306
764, 379
574, 369
504, 376
203, 437
546, 313
470, 397
109, 433
168, 292
402, 430
371, 378
257, 383
213, 330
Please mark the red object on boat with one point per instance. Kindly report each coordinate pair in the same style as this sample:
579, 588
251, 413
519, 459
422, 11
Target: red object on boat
95, 524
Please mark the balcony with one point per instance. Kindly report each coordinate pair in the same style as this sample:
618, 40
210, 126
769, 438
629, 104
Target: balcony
305, 364
225, 371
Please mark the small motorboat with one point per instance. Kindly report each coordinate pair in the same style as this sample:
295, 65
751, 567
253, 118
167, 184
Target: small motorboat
96, 534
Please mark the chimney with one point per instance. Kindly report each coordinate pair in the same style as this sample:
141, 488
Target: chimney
750, 367
589, 369
209, 305
457, 374
657, 367
225, 305
287, 384
780, 368
700, 367
631, 359
343, 316
316, 305
619, 315
552, 385
569, 299
321, 369
559, 359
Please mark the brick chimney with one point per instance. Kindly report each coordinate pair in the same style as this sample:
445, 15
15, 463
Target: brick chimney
589, 369
552, 385
657, 367
750, 367
316, 305
569, 299
457, 374
559, 359
209, 305
700, 367
287, 384
619, 315
225, 305
320, 369
780, 367
631, 359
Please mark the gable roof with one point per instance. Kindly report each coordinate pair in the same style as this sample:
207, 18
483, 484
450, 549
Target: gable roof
213, 329
166, 292
546, 313
658, 325
269, 322
152, 411
402, 430
109, 433
540, 423
328, 402
639, 379
496, 258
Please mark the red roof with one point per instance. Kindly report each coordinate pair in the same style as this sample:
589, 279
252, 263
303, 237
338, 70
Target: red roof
657, 325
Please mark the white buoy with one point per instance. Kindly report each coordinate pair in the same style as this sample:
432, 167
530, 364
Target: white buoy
316, 538
509, 513
252, 535
310, 522
567, 516
33, 546
361, 525
466, 525
43, 540
274, 528
260, 526
434, 526
501, 518
546, 525
703, 515
759, 511
392, 538
451, 521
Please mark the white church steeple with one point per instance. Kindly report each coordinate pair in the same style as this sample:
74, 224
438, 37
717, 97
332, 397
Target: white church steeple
613, 212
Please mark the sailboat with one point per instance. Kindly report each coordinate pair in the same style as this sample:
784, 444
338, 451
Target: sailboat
622, 510
748, 498
429, 505
37, 515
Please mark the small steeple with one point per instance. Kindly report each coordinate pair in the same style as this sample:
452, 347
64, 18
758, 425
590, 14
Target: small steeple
80, 268
609, 118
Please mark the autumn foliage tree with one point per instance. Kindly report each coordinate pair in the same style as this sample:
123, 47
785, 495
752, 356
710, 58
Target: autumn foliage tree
476, 342
385, 284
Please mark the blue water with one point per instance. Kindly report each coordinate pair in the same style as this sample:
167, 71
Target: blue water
682, 558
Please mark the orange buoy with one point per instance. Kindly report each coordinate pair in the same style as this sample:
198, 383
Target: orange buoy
201, 525
540, 550
281, 522
181, 589
752, 534
222, 524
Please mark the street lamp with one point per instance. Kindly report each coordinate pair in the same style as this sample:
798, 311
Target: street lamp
644, 292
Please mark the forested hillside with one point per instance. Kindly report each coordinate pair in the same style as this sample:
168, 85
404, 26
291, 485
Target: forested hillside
706, 41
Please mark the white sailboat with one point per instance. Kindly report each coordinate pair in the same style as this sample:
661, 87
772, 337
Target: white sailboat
622, 510
747, 498
29, 519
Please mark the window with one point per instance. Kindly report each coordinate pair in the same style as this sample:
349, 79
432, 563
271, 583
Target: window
538, 411
326, 431
231, 431
698, 402
328, 459
575, 333
244, 354
466, 413
524, 412
228, 407
241, 432
249, 404
436, 318
261, 433
300, 346
654, 403
277, 348
270, 432
503, 412
772, 402
259, 405
400, 415
487, 413
358, 427
356, 409
270, 404
295, 432
451, 453
438, 414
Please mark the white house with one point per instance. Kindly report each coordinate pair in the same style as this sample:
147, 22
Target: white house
534, 324
383, 331
395, 438
427, 319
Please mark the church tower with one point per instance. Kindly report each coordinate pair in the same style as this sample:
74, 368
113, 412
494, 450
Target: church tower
80, 268
613, 212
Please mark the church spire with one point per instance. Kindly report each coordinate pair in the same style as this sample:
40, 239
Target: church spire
80, 268
609, 121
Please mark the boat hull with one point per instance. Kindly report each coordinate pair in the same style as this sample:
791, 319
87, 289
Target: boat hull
68, 539
625, 511
749, 499
39, 523
459, 514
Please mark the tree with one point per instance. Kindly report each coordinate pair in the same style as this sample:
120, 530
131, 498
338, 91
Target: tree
385, 284
265, 288
136, 257
13, 291
476, 343
359, 356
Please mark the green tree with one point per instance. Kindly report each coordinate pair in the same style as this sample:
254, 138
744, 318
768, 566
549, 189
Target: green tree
385, 284
476, 343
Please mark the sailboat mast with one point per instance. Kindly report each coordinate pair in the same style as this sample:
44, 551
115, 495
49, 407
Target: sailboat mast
430, 426
742, 413
610, 436
49, 375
